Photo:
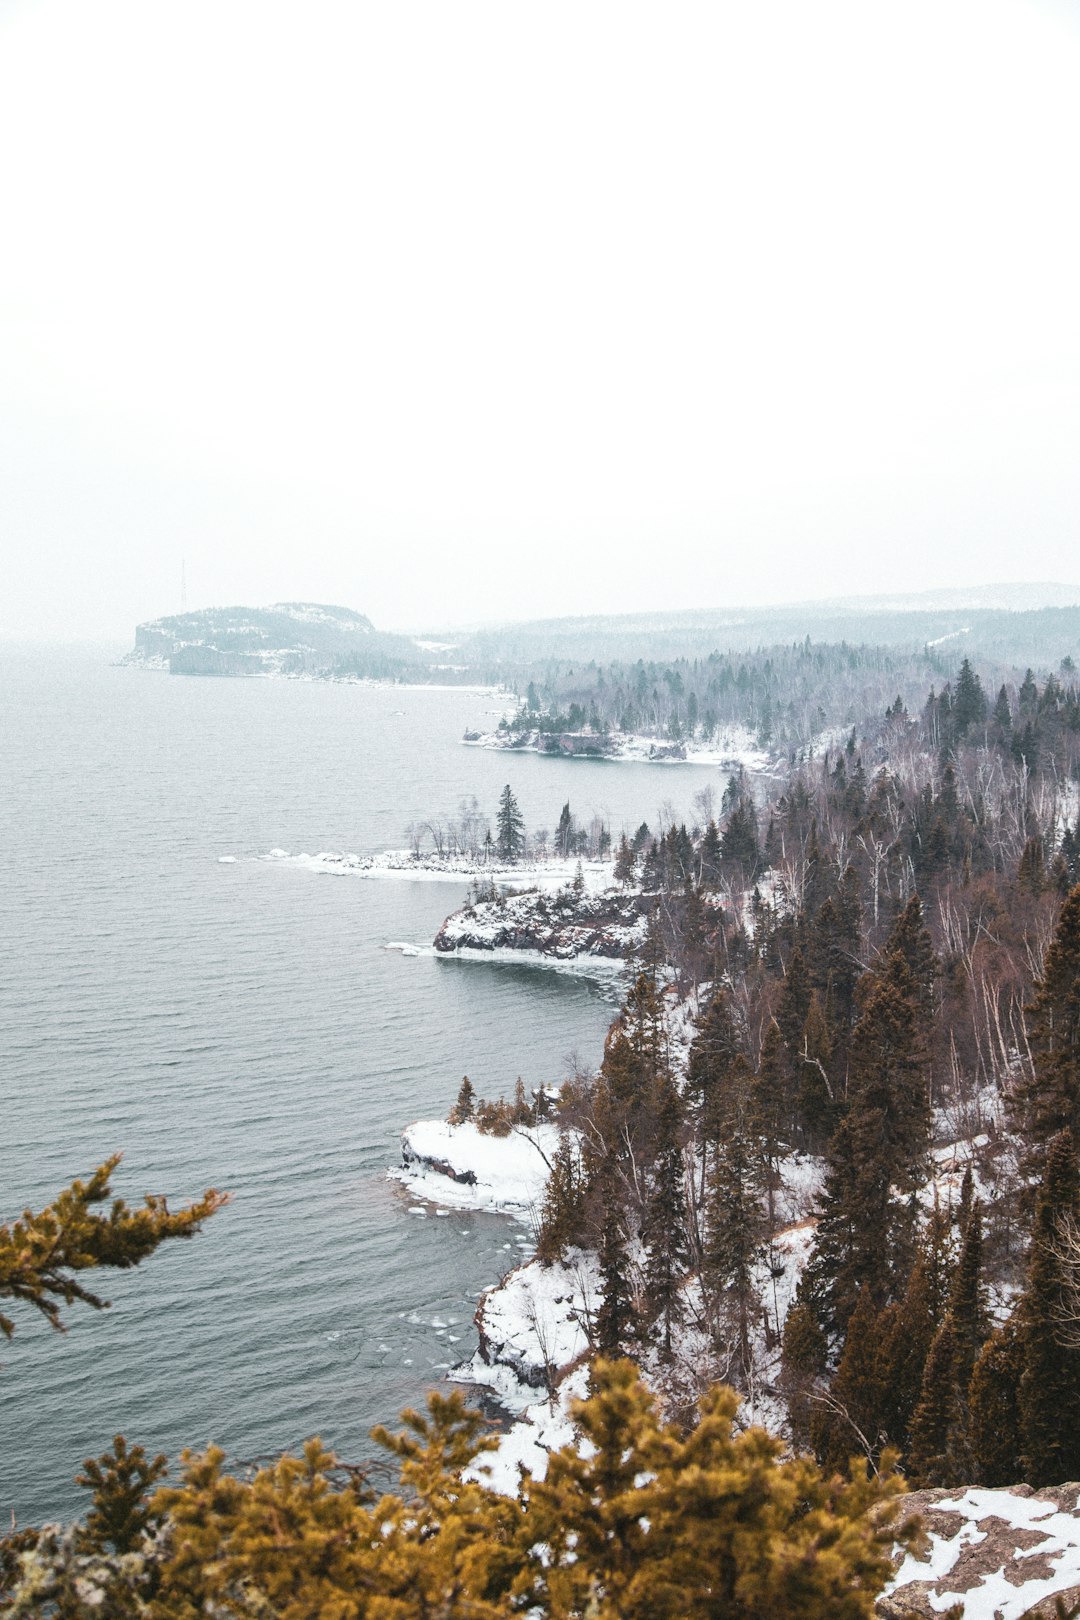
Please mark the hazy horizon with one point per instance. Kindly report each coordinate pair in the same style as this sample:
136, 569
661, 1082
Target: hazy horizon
476, 315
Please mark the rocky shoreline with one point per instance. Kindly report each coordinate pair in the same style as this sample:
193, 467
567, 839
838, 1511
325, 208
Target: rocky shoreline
729, 751
609, 923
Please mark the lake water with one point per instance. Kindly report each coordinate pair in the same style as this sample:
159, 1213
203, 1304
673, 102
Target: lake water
242, 1026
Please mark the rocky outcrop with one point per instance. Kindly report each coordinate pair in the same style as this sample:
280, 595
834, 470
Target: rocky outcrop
996, 1554
563, 925
532, 1326
413, 1159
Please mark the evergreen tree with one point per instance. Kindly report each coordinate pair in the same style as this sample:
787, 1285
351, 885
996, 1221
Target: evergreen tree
994, 1407
664, 1228
736, 1228
931, 1460
1049, 1393
121, 1481
805, 1354
1002, 713
511, 828
794, 1003
739, 840
43, 1254
1049, 1100
942, 1450
624, 862
865, 1237
465, 1107
562, 1215
911, 940
634, 1051
908, 1329
851, 1422
615, 1314
969, 702
709, 1066
564, 833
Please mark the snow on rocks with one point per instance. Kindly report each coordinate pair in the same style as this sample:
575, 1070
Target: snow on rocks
997, 1553
601, 923
533, 1328
464, 1168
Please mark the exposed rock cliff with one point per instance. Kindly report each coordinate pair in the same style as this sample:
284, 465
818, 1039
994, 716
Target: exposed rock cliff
566, 924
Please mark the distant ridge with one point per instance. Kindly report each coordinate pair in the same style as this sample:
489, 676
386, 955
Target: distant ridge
1037, 624
1001, 598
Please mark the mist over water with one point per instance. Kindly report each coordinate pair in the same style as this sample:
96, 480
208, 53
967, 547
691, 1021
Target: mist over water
242, 1026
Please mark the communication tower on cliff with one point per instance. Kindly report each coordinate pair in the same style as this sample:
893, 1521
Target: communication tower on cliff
183, 585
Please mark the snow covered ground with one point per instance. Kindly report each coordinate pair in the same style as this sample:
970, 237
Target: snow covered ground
465, 1168
729, 749
551, 873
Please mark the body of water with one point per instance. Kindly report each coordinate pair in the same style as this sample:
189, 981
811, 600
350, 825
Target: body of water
242, 1026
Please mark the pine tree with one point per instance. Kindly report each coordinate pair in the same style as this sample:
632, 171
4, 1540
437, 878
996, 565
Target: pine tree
1049, 1393
664, 1228
42, 1254
794, 1003
712, 1055
994, 1408
465, 1107
942, 1450
911, 940
805, 1355
929, 1460
562, 1216
865, 1237
851, 1422
634, 1050
1049, 1101
511, 828
624, 862
908, 1329
1002, 713
735, 1228
615, 1314
564, 833
121, 1480
969, 703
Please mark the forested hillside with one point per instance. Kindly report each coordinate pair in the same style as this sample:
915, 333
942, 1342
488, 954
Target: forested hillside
796, 697
883, 969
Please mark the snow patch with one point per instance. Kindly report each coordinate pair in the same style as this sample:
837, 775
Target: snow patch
464, 1168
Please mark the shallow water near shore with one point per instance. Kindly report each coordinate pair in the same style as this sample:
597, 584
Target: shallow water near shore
240, 1024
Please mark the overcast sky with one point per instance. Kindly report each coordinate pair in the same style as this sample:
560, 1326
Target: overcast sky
462, 311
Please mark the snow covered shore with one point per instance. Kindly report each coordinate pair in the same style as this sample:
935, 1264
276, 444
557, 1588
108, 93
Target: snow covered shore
531, 1326
551, 873
730, 749
463, 1167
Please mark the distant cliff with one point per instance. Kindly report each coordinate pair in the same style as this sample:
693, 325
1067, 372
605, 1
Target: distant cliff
289, 638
